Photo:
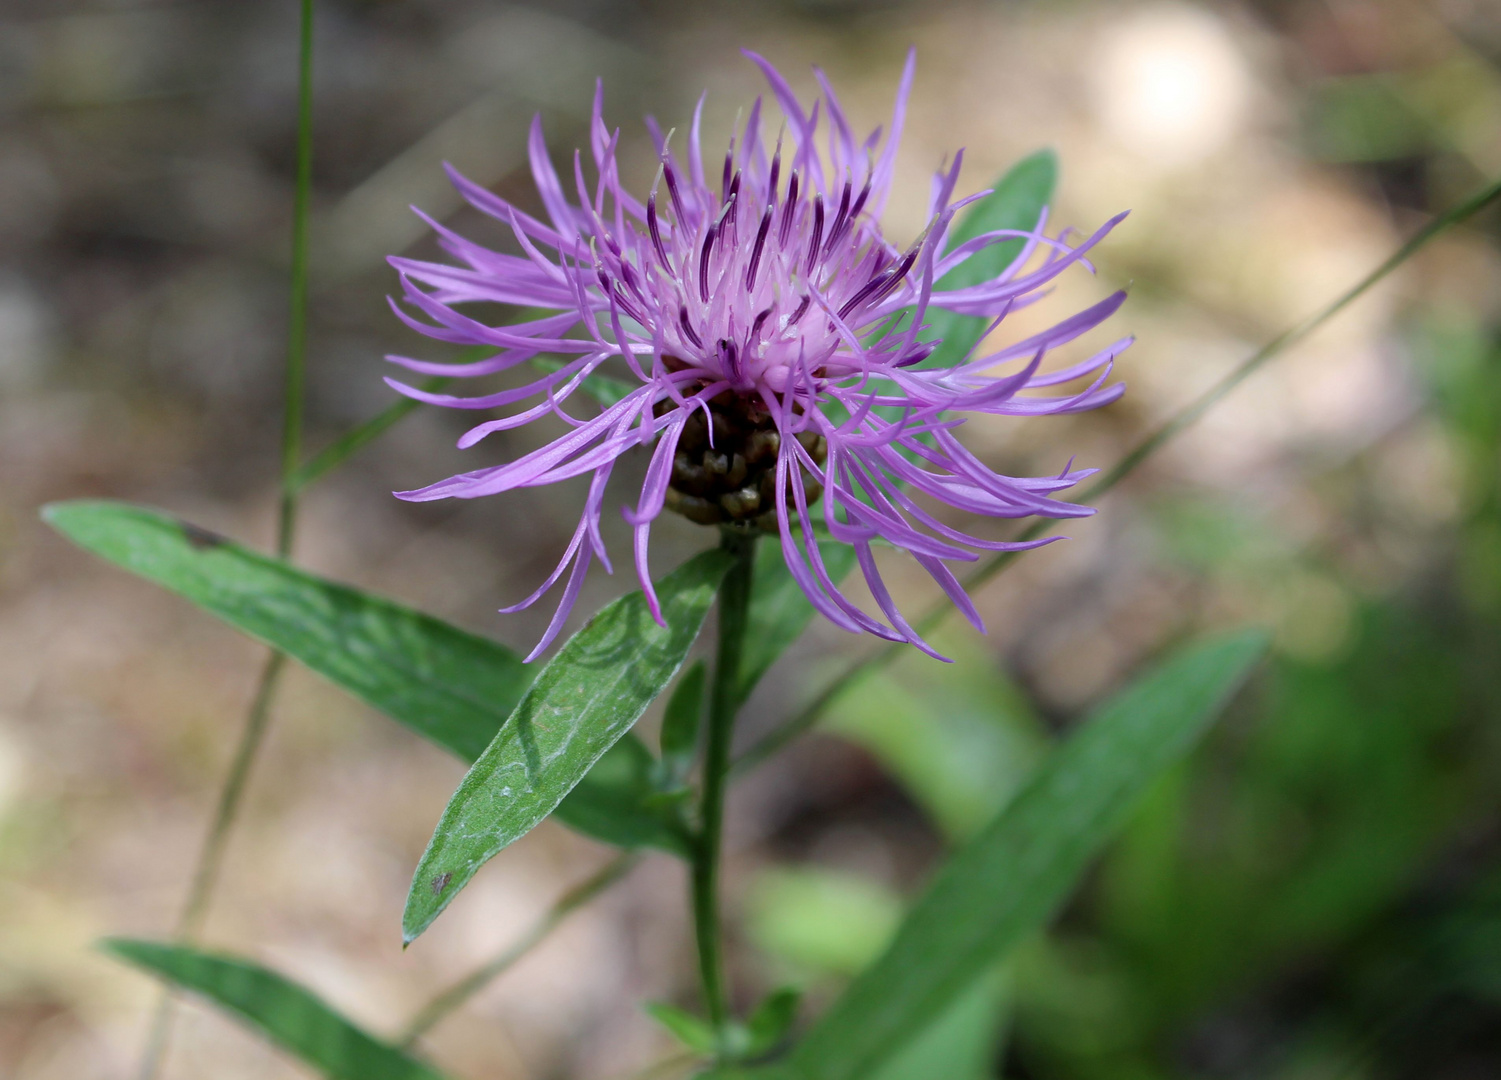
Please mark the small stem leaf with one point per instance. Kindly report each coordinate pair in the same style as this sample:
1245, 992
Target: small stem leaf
682, 722
772, 1020
291, 1016
447, 685
779, 610
1006, 883
582, 703
697, 1035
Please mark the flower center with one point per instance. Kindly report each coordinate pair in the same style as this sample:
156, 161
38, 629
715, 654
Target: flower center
733, 481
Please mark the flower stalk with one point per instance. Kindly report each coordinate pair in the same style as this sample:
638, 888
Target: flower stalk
258, 715
734, 610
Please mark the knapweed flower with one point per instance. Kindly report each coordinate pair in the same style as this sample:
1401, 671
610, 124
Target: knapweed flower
775, 341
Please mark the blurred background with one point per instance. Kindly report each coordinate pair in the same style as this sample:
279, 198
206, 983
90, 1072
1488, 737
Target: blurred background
1316, 894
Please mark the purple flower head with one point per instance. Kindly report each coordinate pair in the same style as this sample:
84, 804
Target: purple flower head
775, 340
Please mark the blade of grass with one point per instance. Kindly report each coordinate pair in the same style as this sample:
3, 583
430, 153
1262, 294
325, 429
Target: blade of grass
258, 715
1144, 449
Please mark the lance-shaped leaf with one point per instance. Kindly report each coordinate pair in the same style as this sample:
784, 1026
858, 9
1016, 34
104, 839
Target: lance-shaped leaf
291, 1016
1011, 877
583, 701
454, 687
448, 685
619, 801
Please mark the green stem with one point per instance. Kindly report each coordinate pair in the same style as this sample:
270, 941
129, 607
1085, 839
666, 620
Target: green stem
291, 431
258, 715
1175, 425
734, 607
450, 999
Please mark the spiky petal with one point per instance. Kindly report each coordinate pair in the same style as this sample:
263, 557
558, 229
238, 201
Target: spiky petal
747, 309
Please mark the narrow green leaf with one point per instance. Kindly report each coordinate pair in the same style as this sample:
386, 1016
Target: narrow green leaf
291, 1016
779, 610
1007, 882
618, 802
824, 922
1015, 203
686, 1028
682, 721
748, 1072
962, 1042
448, 685
771, 1020
583, 701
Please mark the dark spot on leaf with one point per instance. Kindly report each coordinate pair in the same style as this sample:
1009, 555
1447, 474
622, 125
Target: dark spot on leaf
441, 882
200, 539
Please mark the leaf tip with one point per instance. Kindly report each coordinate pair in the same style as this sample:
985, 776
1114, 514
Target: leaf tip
112, 945
418, 916
130, 950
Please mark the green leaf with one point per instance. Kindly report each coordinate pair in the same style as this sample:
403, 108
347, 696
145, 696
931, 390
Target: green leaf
771, 1020
779, 610
448, 685
291, 1016
963, 1042
1015, 203
686, 1028
824, 921
618, 802
681, 723
585, 699
1008, 881
748, 1072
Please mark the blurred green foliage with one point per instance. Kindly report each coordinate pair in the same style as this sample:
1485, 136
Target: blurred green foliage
1317, 891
